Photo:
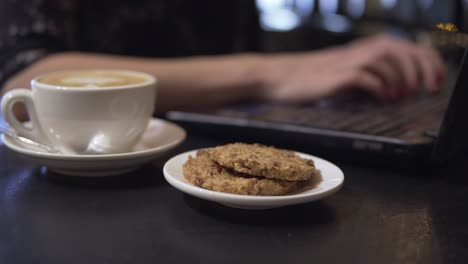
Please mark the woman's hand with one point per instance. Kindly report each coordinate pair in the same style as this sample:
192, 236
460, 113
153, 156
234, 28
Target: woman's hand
386, 67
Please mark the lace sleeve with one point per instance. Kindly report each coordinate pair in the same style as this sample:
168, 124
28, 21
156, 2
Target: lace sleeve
30, 30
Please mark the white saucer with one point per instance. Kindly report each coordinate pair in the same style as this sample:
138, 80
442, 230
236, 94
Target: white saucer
331, 180
160, 137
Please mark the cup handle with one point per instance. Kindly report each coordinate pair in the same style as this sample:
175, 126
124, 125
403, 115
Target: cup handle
22, 96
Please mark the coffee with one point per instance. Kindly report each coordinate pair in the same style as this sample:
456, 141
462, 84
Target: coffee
94, 79
80, 112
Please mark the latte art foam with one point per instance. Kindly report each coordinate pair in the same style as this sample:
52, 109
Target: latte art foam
93, 79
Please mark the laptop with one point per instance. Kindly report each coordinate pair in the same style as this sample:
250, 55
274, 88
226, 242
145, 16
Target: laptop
423, 127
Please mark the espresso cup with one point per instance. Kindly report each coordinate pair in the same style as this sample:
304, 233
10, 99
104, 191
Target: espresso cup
83, 112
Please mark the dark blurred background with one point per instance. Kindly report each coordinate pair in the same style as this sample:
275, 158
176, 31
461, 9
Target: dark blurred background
289, 25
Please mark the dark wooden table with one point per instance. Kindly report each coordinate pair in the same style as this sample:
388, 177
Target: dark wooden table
380, 215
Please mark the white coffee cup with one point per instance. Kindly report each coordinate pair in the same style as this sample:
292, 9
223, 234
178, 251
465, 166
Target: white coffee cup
82, 112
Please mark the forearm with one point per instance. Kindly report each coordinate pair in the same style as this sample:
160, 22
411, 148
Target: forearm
182, 83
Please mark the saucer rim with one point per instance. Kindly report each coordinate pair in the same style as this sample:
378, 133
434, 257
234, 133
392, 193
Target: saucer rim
8, 142
250, 200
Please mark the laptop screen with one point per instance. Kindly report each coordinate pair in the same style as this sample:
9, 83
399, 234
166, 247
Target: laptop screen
453, 134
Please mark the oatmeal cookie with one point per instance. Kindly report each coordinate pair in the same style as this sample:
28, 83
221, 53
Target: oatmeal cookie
263, 161
202, 171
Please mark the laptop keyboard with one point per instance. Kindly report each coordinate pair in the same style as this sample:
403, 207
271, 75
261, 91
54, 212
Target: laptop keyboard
354, 114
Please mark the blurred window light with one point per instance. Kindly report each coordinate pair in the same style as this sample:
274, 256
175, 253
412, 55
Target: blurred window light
278, 15
388, 4
305, 7
270, 4
280, 20
336, 23
328, 6
356, 8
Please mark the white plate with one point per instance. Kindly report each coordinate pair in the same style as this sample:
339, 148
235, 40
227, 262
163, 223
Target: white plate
159, 137
331, 180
